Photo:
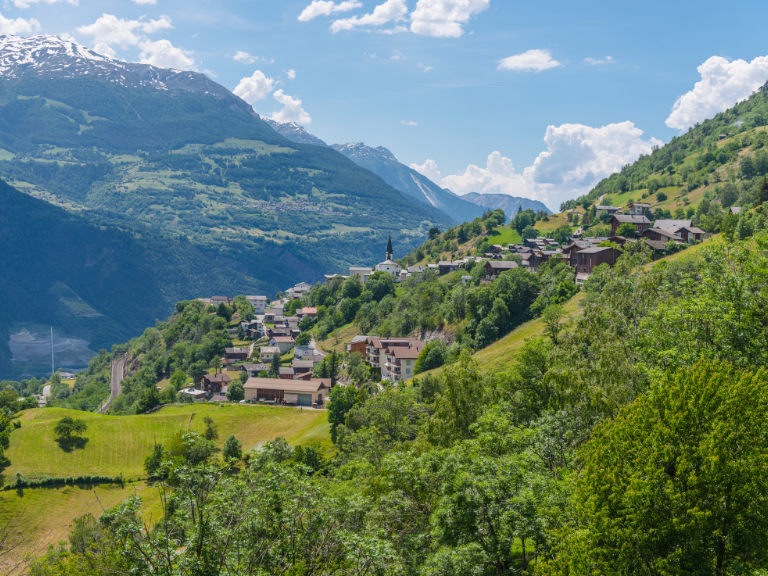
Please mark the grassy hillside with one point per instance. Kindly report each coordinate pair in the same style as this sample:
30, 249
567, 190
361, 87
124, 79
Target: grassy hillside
119, 444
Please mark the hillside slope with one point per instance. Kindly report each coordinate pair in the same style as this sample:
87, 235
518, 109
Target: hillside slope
97, 284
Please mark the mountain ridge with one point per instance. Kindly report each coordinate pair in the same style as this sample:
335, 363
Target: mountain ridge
510, 204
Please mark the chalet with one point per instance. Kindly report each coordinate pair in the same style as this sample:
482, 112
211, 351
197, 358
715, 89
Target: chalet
498, 248
302, 312
286, 372
640, 222
671, 224
608, 209
295, 392
494, 268
590, 258
302, 366
197, 395
216, 300
215, 383
362, 273
690, 233
284, 343
259, 303
268, 353
307, 353
379, 349
638, 209
570, 251
232, 355
655, 245
661, 235
357, 344
416, 269
448, 267
254, 369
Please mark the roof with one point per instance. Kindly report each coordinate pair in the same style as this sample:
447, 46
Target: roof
358, 338
309, 310
312, 385
255, 367
596, 249
735, 209
655, 244
631, 218
401, 352
217, 378
671, 223
389, 246
283, 339
694, 229
640, 204
236, 350
269, 350
287, 370
606, 208
665, 232
303, 363
256, 298
501, 264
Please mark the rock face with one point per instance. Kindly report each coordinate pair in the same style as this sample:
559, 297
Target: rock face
294, 132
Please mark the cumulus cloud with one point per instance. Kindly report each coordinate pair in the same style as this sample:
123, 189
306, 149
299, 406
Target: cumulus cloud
723, 84
532, 60
105, 50
254, 88
109, 30
594, 61
408, 123
291, 73
326, 8
444, 18
426, 68
389, 11
165, 55
26, 3
18, 26
291, 111
576, 159
245, 58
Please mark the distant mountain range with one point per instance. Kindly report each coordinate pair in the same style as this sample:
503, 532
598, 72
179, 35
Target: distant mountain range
510, 204
386, 166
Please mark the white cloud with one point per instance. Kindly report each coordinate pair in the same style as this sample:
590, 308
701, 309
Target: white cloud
397, 55
145, 1
18, 26
426, 68
443, 18
389, 11
254, 88
326, 8
209, 73
408, 123
26, 3
290, 73
594, 61
109, 30
535, 60
245, 58
576, 159
399, 29
165, 55
722, 85
105, 50
292, 110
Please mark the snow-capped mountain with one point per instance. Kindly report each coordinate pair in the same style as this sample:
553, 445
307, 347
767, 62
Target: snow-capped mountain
52, 58
361, 151
294, 132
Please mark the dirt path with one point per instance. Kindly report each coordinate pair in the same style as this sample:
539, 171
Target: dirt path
118, 373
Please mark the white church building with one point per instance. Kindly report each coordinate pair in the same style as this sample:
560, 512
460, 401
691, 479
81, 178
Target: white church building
389, 265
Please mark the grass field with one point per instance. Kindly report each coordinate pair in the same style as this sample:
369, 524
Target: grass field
506, 234
119, 444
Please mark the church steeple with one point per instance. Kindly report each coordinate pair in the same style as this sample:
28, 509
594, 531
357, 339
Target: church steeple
390, 252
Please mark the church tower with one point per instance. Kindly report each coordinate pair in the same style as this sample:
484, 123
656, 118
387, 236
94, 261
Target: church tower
390, 253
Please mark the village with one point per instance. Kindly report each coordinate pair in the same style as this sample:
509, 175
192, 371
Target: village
280, 327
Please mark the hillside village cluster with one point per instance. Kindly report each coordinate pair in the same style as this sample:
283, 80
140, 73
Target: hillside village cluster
395, 358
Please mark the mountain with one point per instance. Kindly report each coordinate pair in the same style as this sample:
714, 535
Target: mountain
294, 132
175, 153
510, 204
95, 285
383, 163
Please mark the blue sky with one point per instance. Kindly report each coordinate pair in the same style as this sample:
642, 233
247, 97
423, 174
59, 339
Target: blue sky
480, 95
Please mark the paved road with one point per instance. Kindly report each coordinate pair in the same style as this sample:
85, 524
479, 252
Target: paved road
118, 373
313, 345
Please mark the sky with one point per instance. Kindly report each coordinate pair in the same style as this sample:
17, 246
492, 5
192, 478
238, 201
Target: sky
534, 99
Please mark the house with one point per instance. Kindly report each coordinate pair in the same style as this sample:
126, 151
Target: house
232, 355
448, 267
608, 209
691, 233
302, 366
215, 383
640, 222
465, 279
284, 343
570, 251
254, 369
268, 353
302, 312
494, 268
661, 235
330, 277
734, 210
286, 372
216, 300
590, 258
259, 303
655, 245
197, 395
357, 344
379, 351
638, 209
279, 391
400, 361
307, 353
671, 224
361, 272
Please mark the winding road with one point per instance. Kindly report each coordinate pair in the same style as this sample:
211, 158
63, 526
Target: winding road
118, 373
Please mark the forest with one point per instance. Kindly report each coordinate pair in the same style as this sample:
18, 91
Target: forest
629, 440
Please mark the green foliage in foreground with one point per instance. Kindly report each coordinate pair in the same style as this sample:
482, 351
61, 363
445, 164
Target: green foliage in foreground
597, 453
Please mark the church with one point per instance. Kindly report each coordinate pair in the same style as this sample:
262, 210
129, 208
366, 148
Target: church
389, 265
